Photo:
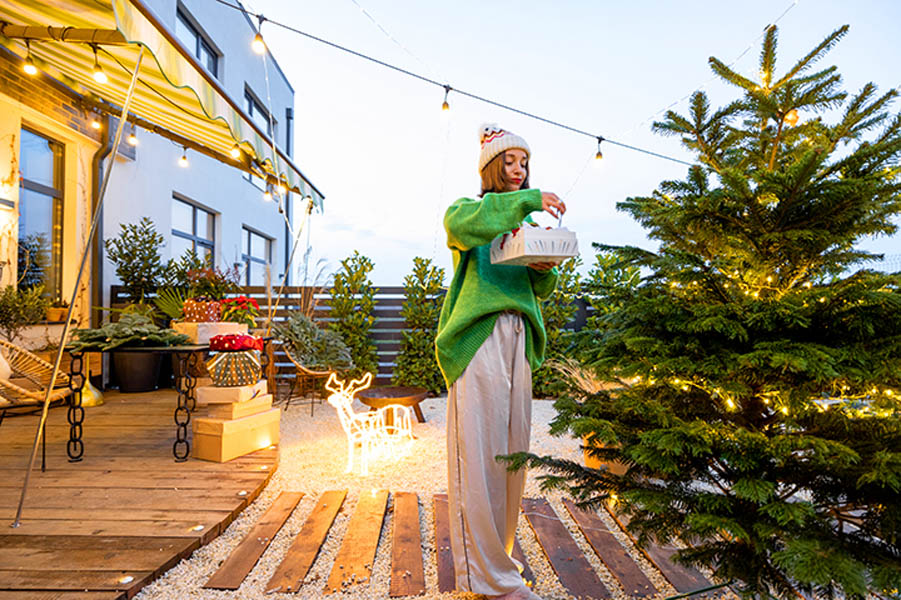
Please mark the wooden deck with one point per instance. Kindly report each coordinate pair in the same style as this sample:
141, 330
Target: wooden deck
105, 527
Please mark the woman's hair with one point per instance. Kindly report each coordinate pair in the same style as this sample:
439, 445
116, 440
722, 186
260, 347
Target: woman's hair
494, 179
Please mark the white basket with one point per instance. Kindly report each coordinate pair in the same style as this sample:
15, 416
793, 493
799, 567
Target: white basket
530, 245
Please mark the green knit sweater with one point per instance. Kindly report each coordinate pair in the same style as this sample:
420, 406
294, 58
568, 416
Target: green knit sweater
480, 290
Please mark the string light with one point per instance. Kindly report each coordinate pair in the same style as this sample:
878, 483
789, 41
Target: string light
258, 45
29, 67
95, 123
599, 155
791, 118
132, 139
447, 90
267, 195
235, 152
97, 72
183, 161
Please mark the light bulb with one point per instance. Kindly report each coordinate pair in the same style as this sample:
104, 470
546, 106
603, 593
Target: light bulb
258, 45
29, 66
132, 139
183, 161
282, 189
791, 118
445, 106
235, 152
95, 123
267, 195
98, 74
600, 155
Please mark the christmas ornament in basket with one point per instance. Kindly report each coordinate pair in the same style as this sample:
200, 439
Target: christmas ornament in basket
202, 310
230, 369
531, 244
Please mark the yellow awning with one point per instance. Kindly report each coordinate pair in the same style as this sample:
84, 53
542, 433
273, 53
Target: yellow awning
174, 92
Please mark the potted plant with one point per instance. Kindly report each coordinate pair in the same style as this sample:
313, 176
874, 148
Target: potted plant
19, 308
208, 286
136, 371
311, 346
57, 310
135, 252
240, 309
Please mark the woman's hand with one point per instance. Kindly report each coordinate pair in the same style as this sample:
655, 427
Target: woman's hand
553, 205
543, 266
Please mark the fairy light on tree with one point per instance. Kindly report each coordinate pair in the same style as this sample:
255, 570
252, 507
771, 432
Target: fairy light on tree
769, 443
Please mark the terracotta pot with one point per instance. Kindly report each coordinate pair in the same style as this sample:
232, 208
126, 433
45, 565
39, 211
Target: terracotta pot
615, 467
55, 314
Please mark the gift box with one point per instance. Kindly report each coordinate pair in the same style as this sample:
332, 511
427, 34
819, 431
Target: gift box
233, 342
203, 333
213, 394
529, 245
238, 410
220, 440
235, 368
202, 311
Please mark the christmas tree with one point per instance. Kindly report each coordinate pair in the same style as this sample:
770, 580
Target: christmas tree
759, 359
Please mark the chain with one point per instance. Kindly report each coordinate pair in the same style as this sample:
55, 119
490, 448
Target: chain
75, 446
181, 448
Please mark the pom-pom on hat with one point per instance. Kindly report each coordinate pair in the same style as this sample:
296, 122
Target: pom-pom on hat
495, 140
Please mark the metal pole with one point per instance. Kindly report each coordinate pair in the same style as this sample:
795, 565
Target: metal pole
84, 257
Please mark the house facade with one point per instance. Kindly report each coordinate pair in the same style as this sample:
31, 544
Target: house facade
54, 149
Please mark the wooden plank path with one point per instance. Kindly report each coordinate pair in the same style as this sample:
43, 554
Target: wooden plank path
105, 527
407, 574
289, 575
353, 565
241, 561
684, 579
572, 568
632, 579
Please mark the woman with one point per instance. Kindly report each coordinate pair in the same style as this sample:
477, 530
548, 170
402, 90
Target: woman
490, 338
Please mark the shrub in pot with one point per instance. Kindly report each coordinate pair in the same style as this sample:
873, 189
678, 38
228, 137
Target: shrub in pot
19, 308
138, 371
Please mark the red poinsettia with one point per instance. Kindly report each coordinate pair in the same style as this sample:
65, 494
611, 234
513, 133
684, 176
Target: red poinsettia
240, 309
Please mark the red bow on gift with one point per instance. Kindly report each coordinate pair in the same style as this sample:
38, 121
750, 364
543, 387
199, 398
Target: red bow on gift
235, 342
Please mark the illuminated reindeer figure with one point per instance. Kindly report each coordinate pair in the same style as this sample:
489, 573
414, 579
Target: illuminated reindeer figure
369, 429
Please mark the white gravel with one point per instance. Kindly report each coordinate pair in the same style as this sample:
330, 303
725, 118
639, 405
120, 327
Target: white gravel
313, 455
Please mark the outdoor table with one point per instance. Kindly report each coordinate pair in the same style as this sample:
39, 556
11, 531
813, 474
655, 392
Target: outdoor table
184, 385
187, 356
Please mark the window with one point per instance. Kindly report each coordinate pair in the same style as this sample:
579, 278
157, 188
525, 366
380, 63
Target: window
256, 111
40, 213
196, 42
257, 249
193, 228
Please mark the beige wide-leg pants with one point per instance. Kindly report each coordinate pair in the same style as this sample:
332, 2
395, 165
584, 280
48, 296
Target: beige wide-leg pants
489, 411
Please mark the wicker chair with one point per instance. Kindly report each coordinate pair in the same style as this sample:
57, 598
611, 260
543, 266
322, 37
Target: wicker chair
28, 383
305, 383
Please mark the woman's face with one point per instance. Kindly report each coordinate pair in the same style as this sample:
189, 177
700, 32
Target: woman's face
516, 168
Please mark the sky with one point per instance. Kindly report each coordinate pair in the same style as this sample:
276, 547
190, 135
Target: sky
390, 161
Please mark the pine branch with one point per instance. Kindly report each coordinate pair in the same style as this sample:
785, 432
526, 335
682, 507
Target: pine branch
815, 54
724, 72
768, 56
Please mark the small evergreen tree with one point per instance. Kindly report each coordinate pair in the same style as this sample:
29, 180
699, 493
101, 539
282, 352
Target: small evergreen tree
417, 364
136, 254
558, 310
761, 420
352, 304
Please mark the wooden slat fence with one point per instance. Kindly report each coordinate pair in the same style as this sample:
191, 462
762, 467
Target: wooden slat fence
386, 333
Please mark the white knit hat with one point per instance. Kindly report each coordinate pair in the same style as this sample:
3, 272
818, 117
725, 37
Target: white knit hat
495, 140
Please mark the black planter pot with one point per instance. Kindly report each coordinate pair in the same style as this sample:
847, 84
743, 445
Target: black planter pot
137, 371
